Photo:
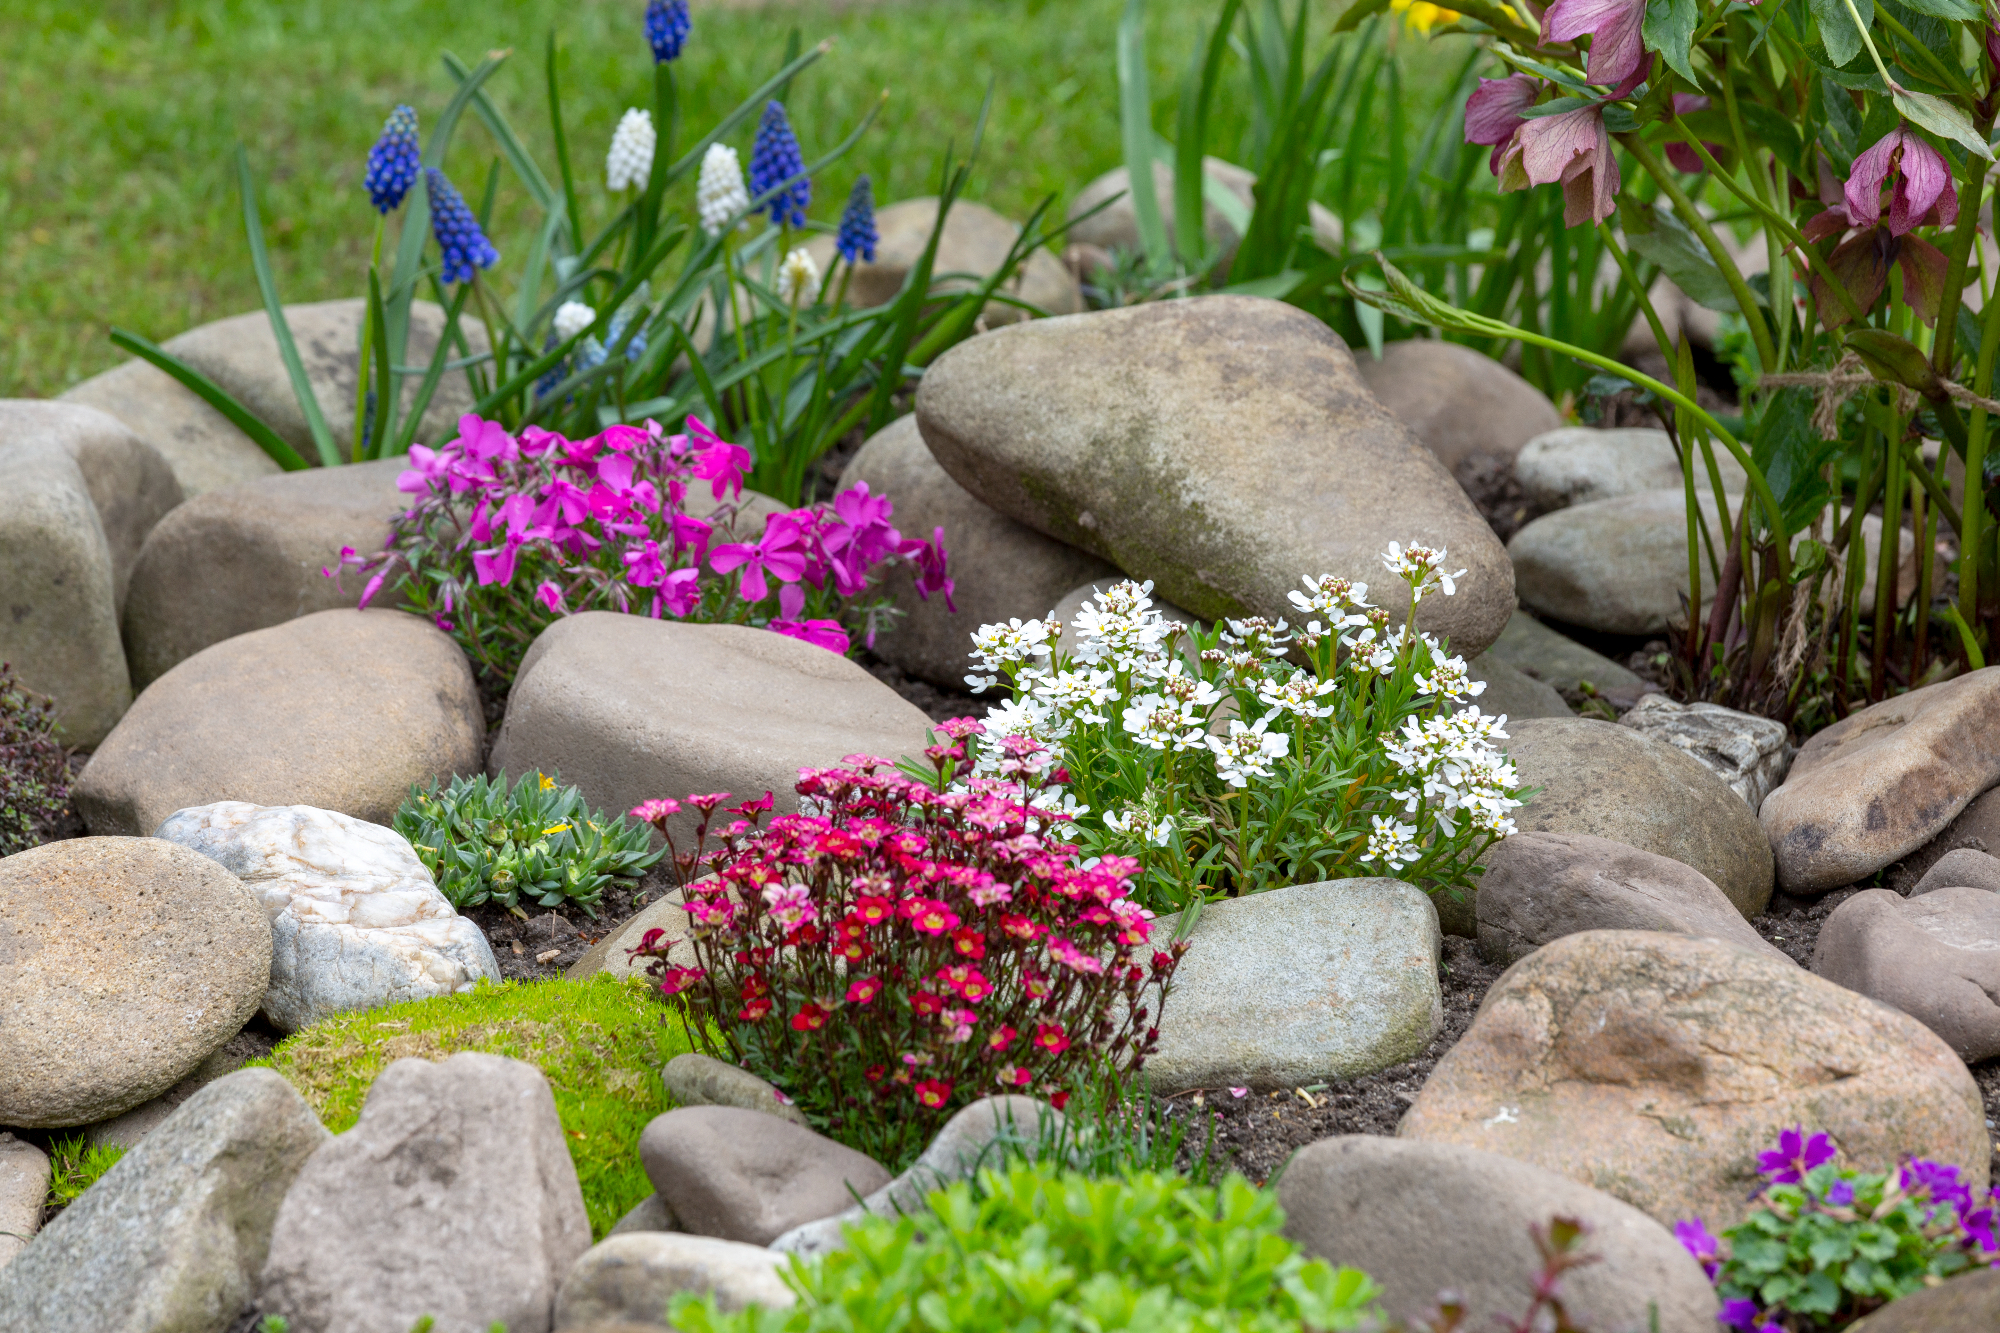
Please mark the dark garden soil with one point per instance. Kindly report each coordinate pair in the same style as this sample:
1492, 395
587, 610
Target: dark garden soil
538, 943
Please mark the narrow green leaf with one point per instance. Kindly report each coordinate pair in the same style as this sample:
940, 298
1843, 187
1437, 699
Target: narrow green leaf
1963, 11
1135, 106
1836, 27
215, 396
387, 389
1350, 18
510, 143
1944, 119
575, 213
288, 350
1669, 29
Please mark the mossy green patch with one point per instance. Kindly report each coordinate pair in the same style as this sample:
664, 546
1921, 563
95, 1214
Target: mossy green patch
601, 1043
75, 1164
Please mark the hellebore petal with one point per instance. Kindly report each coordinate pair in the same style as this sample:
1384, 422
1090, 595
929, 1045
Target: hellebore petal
1573, 148
1861, 263
1924, 194
1613, 28
1493, 112
1924, 267
1681, 155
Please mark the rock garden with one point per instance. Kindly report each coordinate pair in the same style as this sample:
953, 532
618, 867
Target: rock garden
1377, 719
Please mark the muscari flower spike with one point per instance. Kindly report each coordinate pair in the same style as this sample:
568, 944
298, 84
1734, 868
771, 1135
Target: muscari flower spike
466, 249
630, 159
719, 194
394, 161
774, 161
857, 224
667, 25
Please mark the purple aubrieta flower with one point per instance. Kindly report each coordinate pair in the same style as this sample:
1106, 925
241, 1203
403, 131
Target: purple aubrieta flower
775, 161
466, 249
1936, 1182
1693, 1235
1741, 1313
1841, 1193
394, 161
857, 224
667, 26
1795, 1155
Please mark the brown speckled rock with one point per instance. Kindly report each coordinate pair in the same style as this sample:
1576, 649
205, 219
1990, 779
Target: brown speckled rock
123, 963
343, 710
1883, 782
1656, 1067
1223, 446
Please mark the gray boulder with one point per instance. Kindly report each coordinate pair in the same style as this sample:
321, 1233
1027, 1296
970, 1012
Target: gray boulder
702, 1080
1882, 782
1969, 1301
125, 1130
1293, 985
453, 1196
982, 1135
60, 632
1936, 958
1511, 692
1002, 569
628, 1280
1116, 227
129, 483
124, 962
170, 1240
1540, 887
1578, 464
1612, 782
612, 953
1223, 446
1975, 828
630, 708
974, 245
1398, 1210
24, 1184
746, 1176
249, 556
1535, 650
1458, 402
649, 1214
342, 710
1751, 754
356, 921
1961, 868
203, 449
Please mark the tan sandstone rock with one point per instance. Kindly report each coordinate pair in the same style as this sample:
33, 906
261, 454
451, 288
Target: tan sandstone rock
1656, 1067
1935, 957
1458, 402
975, 243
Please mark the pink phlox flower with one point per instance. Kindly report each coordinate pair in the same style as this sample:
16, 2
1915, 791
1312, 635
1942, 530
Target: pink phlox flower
717, 461
1493, 112
644, 566
679, 593
1924, 195
1616, 50
691, 534
1795, 1155
535, 440
1572, 147
825, 634
427, 468
623, 439
549, 595
932, 562
780, 551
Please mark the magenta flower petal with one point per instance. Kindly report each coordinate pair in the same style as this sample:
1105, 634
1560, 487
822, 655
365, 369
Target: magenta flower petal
1493, 112
1613, 28
1924, 194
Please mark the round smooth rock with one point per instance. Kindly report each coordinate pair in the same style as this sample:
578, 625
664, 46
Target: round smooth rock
1977, 828
1612, 782
747, 1176
976, 241
1936, 958
1458, 402
1963, 868
627, 1280
1884, 781
1578, 464
1655, 1067
123, 963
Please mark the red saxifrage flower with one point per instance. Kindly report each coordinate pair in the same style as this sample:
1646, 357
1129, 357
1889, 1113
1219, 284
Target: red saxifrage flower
976, 927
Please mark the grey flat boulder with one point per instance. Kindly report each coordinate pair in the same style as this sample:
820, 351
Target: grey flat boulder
1882, 782
1299, 984
746, 1176
1397, 1210
1751, 754
1578, 464
1612, 782
628, 1280
1936, 958
1224, 447
453, 1196
1511, 692
974, 245
170, 1240
1540, 887
1534, 649
1961, 868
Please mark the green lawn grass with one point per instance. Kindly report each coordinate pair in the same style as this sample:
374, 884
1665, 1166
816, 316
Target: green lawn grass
117, 205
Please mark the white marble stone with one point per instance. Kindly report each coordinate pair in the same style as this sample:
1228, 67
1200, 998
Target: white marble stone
355, 917
1752, 754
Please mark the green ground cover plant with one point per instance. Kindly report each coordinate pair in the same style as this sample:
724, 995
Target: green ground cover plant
75, 1164
34, 767
599, 1044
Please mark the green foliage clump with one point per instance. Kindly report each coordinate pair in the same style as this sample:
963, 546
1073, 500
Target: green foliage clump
600, 1044
34, 768
1035, 1248
541, 841
75, 1164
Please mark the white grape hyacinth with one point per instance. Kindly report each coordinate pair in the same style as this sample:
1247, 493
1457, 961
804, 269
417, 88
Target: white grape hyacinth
719, 192
630, 160
798, 279
572, 318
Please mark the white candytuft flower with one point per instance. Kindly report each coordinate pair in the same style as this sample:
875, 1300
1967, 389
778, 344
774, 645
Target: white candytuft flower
1422, 567
1392, 842
798, 278
1247, 752
572, 318
630, 160
719, 193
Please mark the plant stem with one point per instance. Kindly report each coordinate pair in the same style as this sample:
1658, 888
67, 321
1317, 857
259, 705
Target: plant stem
1760, 333
1962, 241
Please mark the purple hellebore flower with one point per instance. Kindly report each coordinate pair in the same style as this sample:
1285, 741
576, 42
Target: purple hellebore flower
1795, 1155
1681, 155
1616, 51
1572, 147
1693, 1235
1493, 112
1924, 195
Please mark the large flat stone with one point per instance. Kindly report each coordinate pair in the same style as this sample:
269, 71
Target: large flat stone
60, 630
742, 1175
249, 556
630, 708
1002, 569
1655, 1067
123, 963
1223, 447
1884, 781
1300, 984
1534, 649
1936, 958
171, 1239
343, 710
202, 448
1612, 782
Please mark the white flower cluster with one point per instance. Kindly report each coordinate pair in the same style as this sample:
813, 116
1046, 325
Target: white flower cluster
1453, 767
572, 318
719, 192
798, 279
630, 160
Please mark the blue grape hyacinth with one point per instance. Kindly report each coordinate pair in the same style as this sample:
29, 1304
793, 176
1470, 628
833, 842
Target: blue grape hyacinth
394, 161
857, 224
667, 25
775, 159
466, 249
